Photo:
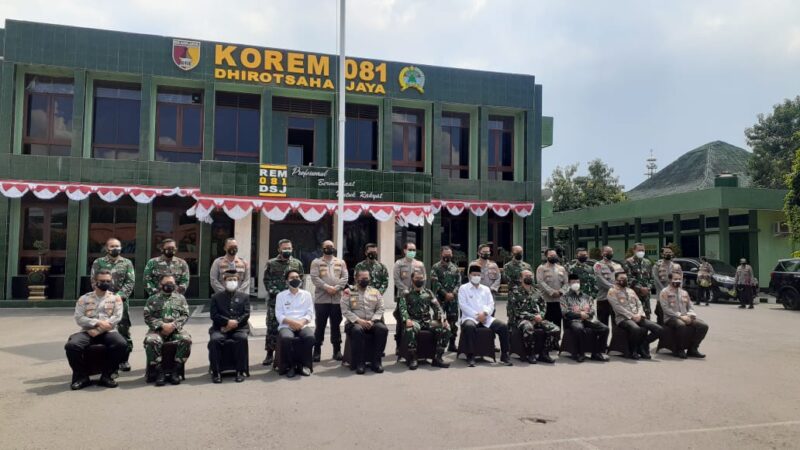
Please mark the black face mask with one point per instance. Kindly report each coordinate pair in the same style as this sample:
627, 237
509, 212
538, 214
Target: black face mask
295, 282
528, 280
676, 283
104, 285
328, 250
372, 255
169, 252
552, 260
518, 256
114, 252
169, 288
622, 283
583, 259
485, 255
447, 259
419, 283
364, 282
286, 254
667, 257
608, 256
233, 251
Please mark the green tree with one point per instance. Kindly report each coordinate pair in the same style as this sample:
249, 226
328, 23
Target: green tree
566, 194
791, 205
774, 139
600, 186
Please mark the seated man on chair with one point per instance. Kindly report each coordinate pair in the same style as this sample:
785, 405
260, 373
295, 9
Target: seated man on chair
630, 316
477, 304
230, 311
526, 310
363, 311
294, 310
97, 313
416, 308
579, 313
165, 314
680, 316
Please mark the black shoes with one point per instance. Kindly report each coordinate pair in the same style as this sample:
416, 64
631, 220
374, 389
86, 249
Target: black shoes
694, 353
268, 360
107, 381
291, 373
680, 354
216, 378
750, 307
239, 377
599, 357
174, 379
360, 369
439, 362
161, 378
125, 366
580, 357
305, 371
413, 364
531, 358
545, 358
505, 360
337, 355
742, 307
377, 367
471, 360
80, 384
317, 353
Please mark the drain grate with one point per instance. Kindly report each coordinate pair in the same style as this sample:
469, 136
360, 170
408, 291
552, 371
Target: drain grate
537, 419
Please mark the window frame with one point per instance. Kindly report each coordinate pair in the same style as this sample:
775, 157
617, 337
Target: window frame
406, 126
115, 147
449, 168
358, 113
312, 128
177, 211
180, 107
50, 141
496, 170
235, 154
121, 203
47, 207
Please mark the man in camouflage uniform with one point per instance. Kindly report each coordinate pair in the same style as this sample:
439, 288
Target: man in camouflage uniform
165, 315
662, 271
490, 271
416, 308
166, 263
378, 273
275, 283
526, 310
404, 268
585, 272
513, 269
640, 275
604, 271
629, 316
445, 281
122, 279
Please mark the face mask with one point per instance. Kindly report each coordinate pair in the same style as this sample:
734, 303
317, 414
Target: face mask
583, 259
608, 256
528, 280
372, 255
231, 286
447, 259
114, 252
485, 255
104, 285
640, 254
410, 254
419, 283
328, 250
295, 283
676, 283
623, 283
667, 257
552, 260
475, 279
518, 256
168, 288
233, 251
575, 287
363, 282
286, 254
169, 252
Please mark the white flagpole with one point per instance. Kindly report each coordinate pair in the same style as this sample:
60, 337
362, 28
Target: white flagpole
341, 120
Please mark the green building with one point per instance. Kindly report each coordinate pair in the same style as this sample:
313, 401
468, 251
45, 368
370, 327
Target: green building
146, 137
703, 202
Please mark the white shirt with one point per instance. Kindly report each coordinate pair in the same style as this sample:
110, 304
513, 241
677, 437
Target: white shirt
473, 300
294, 306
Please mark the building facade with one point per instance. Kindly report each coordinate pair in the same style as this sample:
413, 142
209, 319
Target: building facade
146, 137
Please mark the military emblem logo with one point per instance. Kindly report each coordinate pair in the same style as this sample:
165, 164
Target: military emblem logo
185, 54
412, 77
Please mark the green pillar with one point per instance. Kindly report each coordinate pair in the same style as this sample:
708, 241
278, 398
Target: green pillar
6, 105
483, 231
4, 235
386, 134
702, 234
209, 101
627, 237
752, 222
604, 232
472, 246
596, 236
436, 154
436, 237
483, 144
78, 113
12, 267
575, 238
266, 126
204, 261
71, 278
637, 229
724, 236
551, 237
143, 245
147, 119
676, 229
426, 245
535, 156
660, 235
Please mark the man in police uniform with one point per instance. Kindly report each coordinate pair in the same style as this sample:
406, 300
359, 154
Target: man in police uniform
680, 316
329, 275
490, 272
552, 280
513, 269
745, 283
640, 275
581, 267
363, 311
604, 271
275, 283
419, 310
123, 278
445, 281
378, 273
166, 263
526, 312
578, 311
705, 280
97, 313
230, 262
629, 315
165, 314
403, 269
662, 273
230, 311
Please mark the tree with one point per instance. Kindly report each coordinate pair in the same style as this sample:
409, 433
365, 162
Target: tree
598, 187
774, 139
791, 205
566, 194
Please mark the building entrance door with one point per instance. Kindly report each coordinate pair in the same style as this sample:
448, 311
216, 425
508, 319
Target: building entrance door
740, 247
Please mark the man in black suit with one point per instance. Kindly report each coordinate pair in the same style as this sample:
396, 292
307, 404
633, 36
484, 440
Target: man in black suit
230, 311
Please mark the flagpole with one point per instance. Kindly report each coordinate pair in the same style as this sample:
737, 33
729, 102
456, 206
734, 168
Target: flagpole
341, 121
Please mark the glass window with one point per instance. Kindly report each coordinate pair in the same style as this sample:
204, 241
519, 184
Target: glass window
48, 116
237, 127
170, 221
455, 145
408, 153
116, 121
300, 141
501, 148
179, 125
47, 222
500, 236
455, 233
107, 220
361, 137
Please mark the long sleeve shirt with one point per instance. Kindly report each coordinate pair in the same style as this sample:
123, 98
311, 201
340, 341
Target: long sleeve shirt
123, 276
571, 300
551, 279
90, 309
328, 273
223, 264
404, 268
625, 303
227, 306
604, 277
419, 306
295, 306
744, 275
156, 267
473, 300
675, 302
164, 308
364, 304
662, 272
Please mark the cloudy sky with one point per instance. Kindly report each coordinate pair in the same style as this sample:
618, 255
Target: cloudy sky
620, 77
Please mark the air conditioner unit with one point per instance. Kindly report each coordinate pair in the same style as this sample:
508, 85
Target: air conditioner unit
780, 229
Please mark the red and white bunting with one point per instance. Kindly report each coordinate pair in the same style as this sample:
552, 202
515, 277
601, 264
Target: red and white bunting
81, 191
479, 208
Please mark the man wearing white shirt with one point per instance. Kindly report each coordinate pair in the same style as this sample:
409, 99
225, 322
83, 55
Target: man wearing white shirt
476, 303
294, 310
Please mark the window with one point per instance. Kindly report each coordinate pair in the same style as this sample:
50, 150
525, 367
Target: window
455, 233
500, 235
47, 222
407, 140
48, 116
300, 142
307, 237
455, 145
116, 121
237, 127
357, 234
107, 220
361, 137
501, 148
170, 221
410, 233
179, 125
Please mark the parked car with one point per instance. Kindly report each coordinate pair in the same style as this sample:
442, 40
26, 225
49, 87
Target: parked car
722, 289
784, 282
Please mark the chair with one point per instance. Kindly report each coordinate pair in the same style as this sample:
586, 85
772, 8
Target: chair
426, 346
517, 344
277, 363
668, 339
369, 349
619, 340
228, 363
569, 342
95, 357
484, 344
168, 363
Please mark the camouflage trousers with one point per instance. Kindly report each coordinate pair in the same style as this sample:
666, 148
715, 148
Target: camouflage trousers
153, 342
124, 328
451, 311
271, 343
539, 336
645, 299
441, 334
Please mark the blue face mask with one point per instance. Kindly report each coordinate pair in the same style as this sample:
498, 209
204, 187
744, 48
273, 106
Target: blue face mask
411, 254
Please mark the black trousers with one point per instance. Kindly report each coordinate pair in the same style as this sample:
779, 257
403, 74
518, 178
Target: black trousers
603, 312
293, 353
745, 294
689, 336
124, 329
358, 340
704, 293
324, 313
553, 314
233, 341
641, 334
116, 351
596, 330
469, 329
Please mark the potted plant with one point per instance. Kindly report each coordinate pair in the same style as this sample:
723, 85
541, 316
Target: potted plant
37, 273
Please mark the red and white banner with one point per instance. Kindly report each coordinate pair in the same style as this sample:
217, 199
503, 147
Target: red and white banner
479, 208
81, 191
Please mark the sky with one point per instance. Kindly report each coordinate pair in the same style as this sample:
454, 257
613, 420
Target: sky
619, 77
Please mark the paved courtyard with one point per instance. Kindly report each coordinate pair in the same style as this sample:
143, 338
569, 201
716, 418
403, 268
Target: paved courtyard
746, 394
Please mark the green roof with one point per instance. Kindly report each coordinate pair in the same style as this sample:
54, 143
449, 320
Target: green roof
696, 170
